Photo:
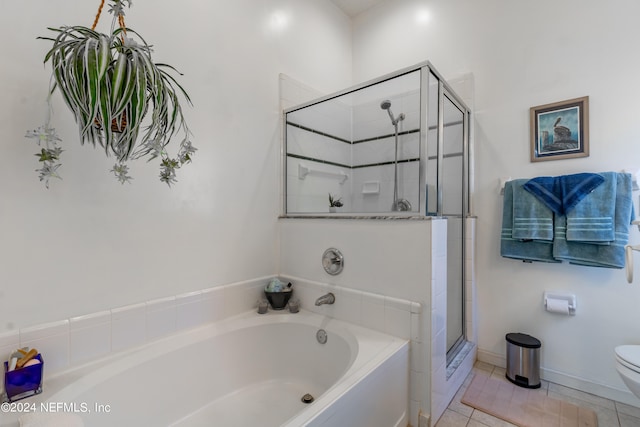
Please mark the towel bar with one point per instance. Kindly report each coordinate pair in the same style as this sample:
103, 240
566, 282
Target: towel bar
303, 171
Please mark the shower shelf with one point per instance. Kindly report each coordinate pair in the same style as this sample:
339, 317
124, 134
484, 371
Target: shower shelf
303, 171
371, 187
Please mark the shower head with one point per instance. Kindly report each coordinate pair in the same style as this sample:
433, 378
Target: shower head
386, 105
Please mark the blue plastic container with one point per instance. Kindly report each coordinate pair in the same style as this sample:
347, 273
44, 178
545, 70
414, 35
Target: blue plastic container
23, 382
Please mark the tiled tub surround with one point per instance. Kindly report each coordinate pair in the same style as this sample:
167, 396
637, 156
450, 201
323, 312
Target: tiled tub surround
394, 316
224, 381
82, 339
404, 257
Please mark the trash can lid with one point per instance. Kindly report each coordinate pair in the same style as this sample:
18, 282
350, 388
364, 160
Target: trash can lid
523, 340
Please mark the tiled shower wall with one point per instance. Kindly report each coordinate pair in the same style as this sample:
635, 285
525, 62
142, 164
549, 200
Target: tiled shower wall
318, 139
374, 143
325, 140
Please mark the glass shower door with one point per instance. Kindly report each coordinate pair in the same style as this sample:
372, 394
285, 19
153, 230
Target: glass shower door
454, 208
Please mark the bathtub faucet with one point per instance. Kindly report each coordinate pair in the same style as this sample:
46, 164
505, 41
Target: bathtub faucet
326, 299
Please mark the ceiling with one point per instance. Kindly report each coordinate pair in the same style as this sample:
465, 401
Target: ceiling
354, 7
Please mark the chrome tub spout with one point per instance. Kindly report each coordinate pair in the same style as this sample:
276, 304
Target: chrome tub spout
329, 298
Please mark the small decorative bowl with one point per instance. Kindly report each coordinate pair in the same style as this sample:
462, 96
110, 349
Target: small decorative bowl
278, 300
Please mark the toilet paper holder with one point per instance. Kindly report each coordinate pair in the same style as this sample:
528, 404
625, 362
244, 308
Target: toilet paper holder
561, 296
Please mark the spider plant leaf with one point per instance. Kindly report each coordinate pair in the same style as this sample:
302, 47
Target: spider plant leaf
73, 80
63, 68
138, 103
157, 92
93, 80
170, 77
66, 95
104, 55
105, 115
93, 135
58, 48
118, 78
161, 101
176, 114
129, 86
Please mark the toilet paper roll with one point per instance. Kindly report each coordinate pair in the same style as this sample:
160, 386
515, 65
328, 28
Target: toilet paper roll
558, 306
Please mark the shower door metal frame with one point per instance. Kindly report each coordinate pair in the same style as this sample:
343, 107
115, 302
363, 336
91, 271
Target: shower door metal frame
444, 90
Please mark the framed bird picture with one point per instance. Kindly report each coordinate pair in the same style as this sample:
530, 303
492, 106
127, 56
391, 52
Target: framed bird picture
560, 130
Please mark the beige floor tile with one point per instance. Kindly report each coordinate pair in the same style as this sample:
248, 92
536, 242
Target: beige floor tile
606, 417
628, 420
610, 413
483, 366
458, 406
469, 378
489, 420
499, 373
452, 419
623, 408
544, 385
588, 398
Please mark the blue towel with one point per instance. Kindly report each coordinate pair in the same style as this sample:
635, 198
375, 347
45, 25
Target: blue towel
532, 219
592, 219
587, 254
562, 193
510, 247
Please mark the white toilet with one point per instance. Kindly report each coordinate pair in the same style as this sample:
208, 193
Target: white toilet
628, 366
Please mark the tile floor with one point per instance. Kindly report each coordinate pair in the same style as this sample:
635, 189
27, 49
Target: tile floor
610, 413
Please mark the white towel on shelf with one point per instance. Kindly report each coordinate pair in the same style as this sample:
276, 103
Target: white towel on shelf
53, 419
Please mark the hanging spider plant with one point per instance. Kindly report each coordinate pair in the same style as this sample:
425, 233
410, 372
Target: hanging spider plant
112, 85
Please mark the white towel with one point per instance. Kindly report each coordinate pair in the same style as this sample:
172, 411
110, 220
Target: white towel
54, 419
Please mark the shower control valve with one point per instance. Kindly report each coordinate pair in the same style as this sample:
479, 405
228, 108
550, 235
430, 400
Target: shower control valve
332, 261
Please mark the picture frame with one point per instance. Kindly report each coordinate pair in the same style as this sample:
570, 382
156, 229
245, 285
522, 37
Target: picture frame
560, 130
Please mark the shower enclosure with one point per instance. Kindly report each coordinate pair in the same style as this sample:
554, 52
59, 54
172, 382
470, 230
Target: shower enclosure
396, 146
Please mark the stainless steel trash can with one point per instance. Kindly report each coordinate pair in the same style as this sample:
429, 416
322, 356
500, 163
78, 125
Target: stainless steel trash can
523, 360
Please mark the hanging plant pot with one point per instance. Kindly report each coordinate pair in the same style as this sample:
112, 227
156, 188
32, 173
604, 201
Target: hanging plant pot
112, 78
117, 126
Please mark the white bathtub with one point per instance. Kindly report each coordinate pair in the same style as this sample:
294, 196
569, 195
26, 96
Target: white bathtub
247, 370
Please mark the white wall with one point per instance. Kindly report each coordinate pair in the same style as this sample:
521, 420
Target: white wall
89, 243
523, 54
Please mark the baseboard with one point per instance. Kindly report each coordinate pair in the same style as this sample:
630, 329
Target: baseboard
608, 392
424, 419
602, 390
492, 358
403, 421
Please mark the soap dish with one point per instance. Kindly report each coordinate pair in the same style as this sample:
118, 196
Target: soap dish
371, 187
